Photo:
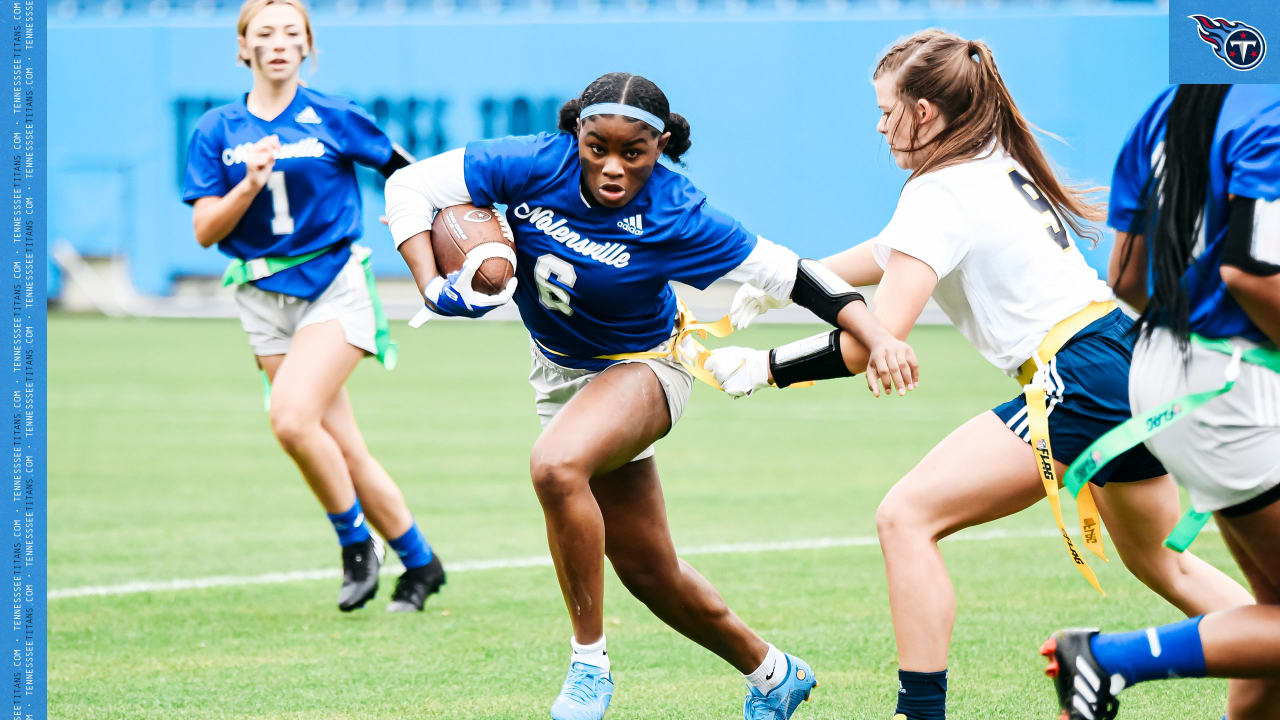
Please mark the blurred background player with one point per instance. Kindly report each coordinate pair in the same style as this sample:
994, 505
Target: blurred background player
601, 228
979, 227
1196, 202
272, 183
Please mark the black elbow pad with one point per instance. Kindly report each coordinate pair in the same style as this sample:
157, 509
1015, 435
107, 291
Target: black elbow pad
1253, 237
399, 158
821, 291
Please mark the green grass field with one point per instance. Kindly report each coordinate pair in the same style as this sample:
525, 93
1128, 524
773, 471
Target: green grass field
162, 467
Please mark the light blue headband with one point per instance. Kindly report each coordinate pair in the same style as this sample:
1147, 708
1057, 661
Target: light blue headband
630, 111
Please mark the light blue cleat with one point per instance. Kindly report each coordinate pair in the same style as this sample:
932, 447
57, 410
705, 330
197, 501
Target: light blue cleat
586, 694
783, 699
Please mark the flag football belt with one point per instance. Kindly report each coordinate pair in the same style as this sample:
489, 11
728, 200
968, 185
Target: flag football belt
683, 347
1038, 424
239, 272
1137, 429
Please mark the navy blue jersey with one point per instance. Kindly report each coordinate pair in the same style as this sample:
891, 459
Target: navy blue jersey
593, 280
311, 201
1244, 160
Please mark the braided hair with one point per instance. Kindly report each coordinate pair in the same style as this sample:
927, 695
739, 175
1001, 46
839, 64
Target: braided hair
1173, 205
634, 90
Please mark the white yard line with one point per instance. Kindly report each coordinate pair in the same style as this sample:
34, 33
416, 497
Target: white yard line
176, 584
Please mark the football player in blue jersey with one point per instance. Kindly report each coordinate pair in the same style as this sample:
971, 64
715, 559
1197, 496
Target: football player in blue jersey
600, 229
982, 226
271, 178
1195, 200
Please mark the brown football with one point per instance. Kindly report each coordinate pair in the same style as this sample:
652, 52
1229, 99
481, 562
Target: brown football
458, 230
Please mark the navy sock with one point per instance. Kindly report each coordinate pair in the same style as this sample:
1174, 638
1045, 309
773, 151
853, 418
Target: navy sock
350, 525
1159, 652
922, 696
412, 548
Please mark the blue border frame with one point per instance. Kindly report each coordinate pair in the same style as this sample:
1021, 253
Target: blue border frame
27, 629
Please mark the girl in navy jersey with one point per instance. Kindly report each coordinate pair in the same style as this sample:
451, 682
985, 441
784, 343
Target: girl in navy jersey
982, 226
1195, 201
600, 229
271, 179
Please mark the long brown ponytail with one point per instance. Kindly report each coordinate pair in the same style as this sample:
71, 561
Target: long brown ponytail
960, 77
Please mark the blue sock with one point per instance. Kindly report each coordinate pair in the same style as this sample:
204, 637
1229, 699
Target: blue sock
350, 525
1159, 652
922, 696
412, 548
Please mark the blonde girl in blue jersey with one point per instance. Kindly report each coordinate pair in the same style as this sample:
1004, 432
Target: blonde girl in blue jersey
982, 227
272, 183
600, 229
1195, 201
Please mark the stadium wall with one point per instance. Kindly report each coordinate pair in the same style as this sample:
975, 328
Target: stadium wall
782, 112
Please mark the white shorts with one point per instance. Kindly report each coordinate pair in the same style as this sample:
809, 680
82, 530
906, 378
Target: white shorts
272, 318
1228, 451
553, 386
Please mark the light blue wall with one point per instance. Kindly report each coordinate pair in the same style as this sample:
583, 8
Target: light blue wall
782, 112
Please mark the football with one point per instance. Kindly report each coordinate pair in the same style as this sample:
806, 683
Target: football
462, 230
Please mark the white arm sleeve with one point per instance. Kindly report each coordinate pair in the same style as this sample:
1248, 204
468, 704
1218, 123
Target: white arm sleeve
770, 267
414, 193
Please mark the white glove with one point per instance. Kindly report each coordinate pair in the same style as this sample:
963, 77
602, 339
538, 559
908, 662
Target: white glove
739, 370
453, 296
749, 302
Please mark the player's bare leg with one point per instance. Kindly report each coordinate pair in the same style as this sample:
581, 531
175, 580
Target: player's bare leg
384, 506
606, 424
304, 383
1139, 516
1256, 698
978, 473
379, 495
638, 544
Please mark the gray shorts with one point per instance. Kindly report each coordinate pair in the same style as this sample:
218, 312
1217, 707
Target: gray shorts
272, 318
1228, 451
553, 386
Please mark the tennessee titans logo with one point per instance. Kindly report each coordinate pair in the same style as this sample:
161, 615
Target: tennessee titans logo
1238, 45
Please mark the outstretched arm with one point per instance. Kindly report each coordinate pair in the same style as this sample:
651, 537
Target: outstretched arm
871, 343
857, 265
775, 276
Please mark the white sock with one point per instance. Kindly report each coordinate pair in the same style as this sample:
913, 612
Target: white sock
593, 654
771, 672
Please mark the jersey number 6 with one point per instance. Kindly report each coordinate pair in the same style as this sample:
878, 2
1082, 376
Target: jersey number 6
551, 295
1039, 203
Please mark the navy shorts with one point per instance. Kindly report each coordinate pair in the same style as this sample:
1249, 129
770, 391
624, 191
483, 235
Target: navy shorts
1088, 394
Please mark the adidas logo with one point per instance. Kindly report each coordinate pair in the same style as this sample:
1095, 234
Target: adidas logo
308, 116
633, 225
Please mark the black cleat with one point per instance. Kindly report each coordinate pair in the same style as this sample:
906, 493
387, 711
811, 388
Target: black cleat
360, 564
1085, 690
415, 585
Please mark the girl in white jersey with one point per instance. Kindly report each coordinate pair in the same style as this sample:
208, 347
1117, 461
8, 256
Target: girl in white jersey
980, 228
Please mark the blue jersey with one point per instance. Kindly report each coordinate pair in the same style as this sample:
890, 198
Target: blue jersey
1244, 160
311, 201
593, 280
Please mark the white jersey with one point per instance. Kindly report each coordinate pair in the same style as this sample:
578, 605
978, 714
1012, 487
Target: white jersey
1007, 269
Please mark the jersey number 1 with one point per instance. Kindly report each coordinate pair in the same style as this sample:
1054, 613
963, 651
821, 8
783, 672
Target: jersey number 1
281, 221
1038, 202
